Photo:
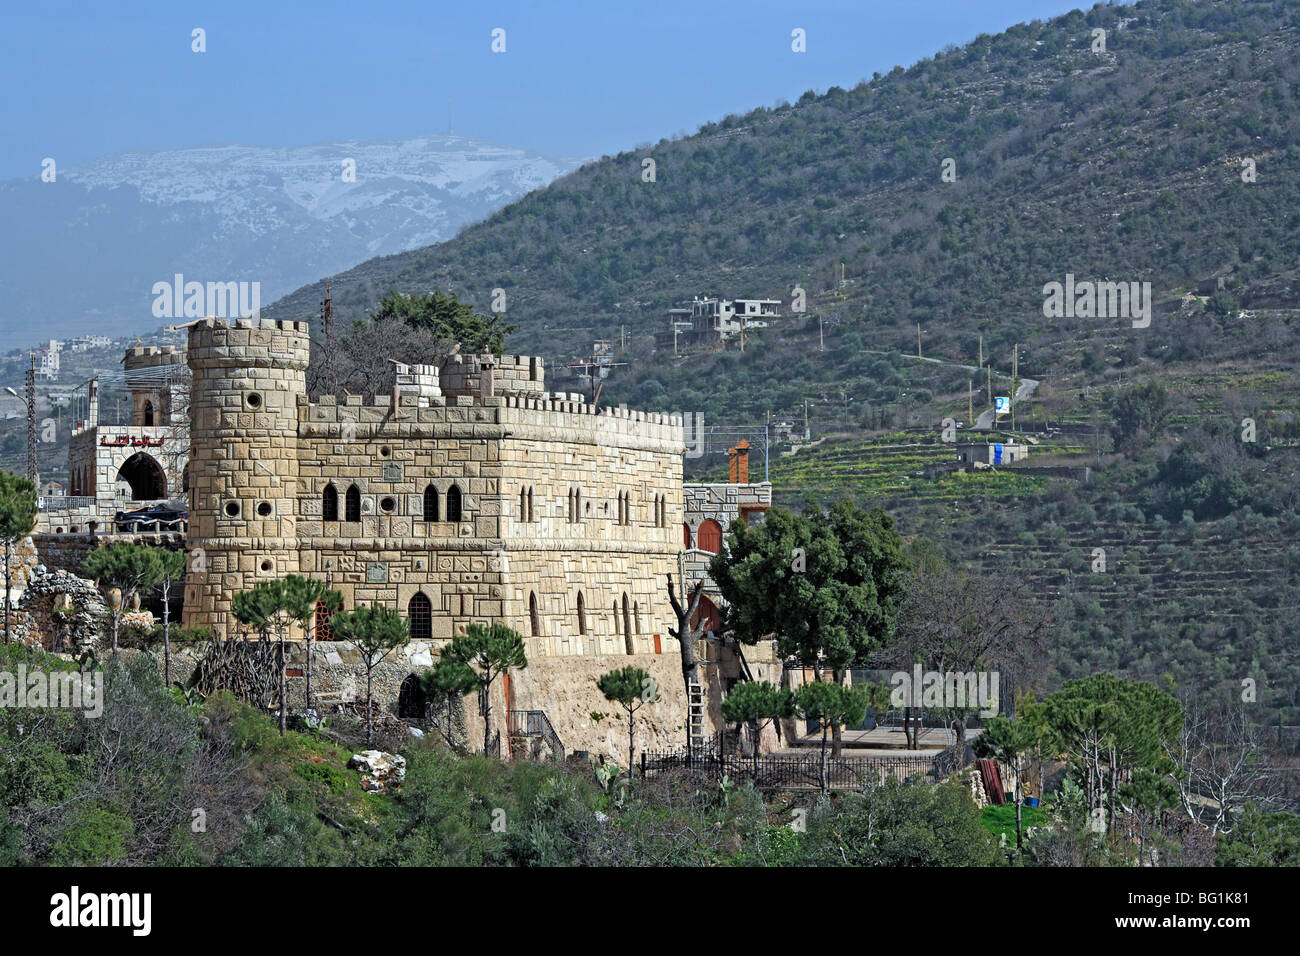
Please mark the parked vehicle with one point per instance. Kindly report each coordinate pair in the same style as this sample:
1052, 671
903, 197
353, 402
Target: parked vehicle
152, 518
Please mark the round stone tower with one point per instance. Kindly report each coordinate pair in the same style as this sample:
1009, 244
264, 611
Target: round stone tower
248, 376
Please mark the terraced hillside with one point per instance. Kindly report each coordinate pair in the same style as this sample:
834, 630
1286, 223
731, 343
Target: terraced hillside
1203, 602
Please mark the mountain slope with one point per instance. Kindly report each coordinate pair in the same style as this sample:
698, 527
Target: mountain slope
1124, 164
82, 253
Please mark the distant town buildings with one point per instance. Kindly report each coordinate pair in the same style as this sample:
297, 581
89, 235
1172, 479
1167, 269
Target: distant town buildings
711, 321
84, 343
48, 365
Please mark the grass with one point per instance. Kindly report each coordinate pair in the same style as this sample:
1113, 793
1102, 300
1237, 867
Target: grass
1001, 821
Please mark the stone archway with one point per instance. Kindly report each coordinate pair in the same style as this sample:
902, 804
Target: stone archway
145, 476
411, 699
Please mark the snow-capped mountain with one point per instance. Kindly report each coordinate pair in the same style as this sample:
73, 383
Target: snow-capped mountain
81, 254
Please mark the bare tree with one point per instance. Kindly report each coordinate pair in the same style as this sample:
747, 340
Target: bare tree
955, 620
1221, 755
686, 634
361, 361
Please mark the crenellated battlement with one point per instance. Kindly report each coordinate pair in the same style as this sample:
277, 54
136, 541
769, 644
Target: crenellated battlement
562, 416
283, 325
152, 356
509, 375
275, 344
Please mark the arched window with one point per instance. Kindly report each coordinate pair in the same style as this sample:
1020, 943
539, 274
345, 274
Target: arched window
352, 510
686, 535
430, 503
573, 511
533, 619
582, 614
523, 504
323, 630
148, 414
627, 627
329, 504
709, 537
530, 503
453, 503
636, 616
419, 611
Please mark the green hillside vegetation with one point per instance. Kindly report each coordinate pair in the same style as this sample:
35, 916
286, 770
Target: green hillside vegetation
1123, 165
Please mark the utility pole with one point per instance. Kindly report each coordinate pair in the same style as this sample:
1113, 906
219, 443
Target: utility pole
918, 340
767, 447
807, 435
970, 403
32, 475
327, 319
622, 337
988, 378
981, 351
821, 338
1015, 365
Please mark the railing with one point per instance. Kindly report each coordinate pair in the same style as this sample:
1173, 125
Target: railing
781, 772
535, 723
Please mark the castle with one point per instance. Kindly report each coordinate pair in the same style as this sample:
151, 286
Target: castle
469, 494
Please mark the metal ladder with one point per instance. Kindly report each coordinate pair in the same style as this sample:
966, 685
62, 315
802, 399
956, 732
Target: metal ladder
695, 716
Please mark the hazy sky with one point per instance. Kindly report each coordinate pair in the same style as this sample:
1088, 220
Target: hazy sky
82, 80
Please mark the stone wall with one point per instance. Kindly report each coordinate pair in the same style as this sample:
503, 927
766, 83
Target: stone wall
559, 500
565, 688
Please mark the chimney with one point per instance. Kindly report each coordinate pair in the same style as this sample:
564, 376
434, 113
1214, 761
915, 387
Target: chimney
731, 465
740, 470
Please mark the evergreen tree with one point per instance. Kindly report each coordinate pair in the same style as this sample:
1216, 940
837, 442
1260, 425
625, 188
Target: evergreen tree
127, 567
755, 703
269, 608
492, 650
632, 688
449, 679
376, 631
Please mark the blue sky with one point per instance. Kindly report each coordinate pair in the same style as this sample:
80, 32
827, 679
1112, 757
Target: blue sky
83, 80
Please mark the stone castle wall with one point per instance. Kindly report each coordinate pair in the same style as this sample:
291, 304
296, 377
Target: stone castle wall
557, 498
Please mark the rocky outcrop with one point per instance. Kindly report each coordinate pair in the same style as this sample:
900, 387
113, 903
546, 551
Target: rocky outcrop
380, 771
